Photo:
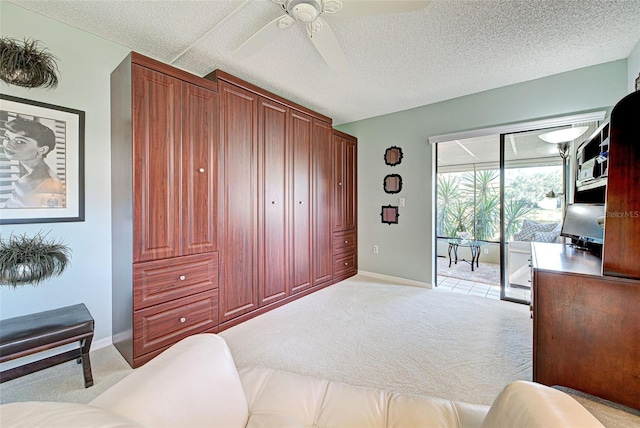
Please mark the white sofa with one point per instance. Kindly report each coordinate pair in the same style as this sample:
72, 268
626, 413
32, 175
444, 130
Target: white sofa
195, 383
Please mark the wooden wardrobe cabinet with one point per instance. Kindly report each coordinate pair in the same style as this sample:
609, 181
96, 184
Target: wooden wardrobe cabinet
621, 254
164, 213
275, 203
345, 236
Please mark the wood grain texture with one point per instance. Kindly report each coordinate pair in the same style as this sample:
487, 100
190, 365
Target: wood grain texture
161, 325
156, 169
339, 183
164, 129
586, 327
161, 281
301, 137
621, 254
322, 178
274, 201
238, 201
199, 169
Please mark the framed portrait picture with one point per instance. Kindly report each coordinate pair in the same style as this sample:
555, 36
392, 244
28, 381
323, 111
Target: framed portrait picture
41, 162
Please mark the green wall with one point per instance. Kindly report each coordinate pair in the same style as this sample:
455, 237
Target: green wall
633, 67
405, 249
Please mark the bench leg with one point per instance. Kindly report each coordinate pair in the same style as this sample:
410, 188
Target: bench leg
86, 362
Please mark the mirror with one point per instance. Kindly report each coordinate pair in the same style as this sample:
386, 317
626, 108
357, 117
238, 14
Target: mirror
389, 214
392, 183
393, 156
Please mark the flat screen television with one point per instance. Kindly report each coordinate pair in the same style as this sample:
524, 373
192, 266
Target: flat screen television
582, 223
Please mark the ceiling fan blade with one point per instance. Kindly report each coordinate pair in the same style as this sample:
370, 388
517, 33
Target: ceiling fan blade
373, 7
264, 36
325, 41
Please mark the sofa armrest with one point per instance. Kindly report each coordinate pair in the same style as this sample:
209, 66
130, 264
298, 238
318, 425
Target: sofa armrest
34, 414
194, 383
532, 405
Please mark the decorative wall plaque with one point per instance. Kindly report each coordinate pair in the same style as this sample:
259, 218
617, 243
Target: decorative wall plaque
392, 183
389, 214
393, 156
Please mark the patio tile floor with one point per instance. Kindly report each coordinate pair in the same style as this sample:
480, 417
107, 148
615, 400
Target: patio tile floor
468, 287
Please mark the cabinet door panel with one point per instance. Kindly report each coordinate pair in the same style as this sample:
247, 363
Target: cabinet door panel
156, 171
301, 138
199, 169
238, 183
350, 181
322, 202
274, 202
339, 183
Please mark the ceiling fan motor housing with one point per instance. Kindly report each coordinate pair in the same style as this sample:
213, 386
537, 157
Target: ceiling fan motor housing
304, 10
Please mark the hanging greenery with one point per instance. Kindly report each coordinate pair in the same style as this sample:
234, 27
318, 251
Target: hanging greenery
31, 259
26, 64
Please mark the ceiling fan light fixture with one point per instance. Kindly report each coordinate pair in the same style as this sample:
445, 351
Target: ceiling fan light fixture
563, 135
304, 10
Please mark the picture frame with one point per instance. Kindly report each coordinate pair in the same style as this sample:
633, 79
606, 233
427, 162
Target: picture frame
42, 162
393, 156
389, 214
392, 183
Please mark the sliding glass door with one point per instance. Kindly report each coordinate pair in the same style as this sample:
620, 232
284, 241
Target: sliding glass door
496, 195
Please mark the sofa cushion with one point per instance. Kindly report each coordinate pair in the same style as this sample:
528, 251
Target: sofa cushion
194, 383
545, 236
34, 414
529, 227
282, 399
525, 404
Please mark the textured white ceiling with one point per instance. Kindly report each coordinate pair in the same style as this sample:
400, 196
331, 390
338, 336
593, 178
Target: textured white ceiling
449, 49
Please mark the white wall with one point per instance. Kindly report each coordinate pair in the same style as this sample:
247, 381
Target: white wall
633, 67
85, 63
406, 248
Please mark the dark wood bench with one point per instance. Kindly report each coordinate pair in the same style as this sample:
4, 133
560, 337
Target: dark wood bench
29, 334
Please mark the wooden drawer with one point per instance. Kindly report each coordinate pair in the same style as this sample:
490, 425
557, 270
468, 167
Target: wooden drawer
344, 263
165, 324
161, 281
344, 241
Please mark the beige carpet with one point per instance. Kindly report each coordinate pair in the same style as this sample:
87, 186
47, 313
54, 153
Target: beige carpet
65, 381
410, 339
365, 332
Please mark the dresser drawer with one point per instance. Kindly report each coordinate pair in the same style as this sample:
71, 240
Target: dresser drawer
165, 324
344, 241
344, 263
161, 281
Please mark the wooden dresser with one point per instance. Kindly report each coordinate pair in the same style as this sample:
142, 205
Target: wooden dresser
586, 326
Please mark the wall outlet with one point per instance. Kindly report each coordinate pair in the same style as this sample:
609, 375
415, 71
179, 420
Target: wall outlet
375, 249
401, 202
485, 251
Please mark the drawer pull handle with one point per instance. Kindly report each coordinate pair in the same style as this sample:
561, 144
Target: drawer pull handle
274, 202
182, 277
201, 170
301, 202
340, 184
346, 242
183, 319
346, 264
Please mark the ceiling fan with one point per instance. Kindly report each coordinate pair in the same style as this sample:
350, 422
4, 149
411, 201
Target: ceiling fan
310, 14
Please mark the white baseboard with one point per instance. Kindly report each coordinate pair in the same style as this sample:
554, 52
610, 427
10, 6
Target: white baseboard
396, 279
102, 343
